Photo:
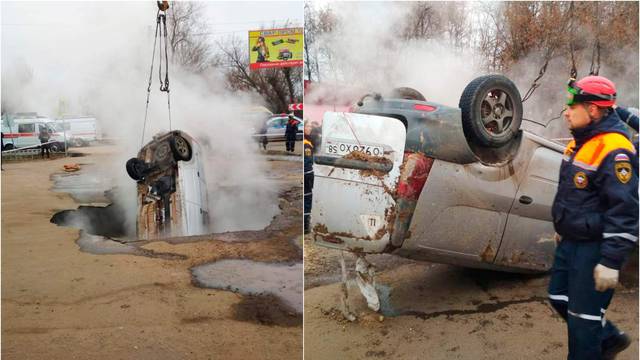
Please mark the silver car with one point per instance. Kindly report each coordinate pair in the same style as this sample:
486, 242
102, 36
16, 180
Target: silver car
459, 185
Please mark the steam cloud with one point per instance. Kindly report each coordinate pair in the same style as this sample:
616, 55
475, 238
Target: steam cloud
369, 55
93, 58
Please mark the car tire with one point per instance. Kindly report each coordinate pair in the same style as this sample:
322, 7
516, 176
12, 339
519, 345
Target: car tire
181, 148
491, 111
407, 93
8, 147
136, 168
56, 147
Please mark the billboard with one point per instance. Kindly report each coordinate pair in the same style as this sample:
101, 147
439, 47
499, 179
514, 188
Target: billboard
275, 48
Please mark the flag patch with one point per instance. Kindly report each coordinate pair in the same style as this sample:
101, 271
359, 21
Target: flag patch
622, 157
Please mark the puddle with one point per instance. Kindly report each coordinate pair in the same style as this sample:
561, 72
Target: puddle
387, 309
284, 158
100, 245
251, 278
85, 186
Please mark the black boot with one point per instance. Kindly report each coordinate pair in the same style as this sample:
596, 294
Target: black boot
614, 345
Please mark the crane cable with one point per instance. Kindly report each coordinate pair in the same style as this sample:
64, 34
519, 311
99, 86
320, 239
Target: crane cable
164, 86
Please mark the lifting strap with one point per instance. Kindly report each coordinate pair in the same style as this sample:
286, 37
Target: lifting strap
161, 24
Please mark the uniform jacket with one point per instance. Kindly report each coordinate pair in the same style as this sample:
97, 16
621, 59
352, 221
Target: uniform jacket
291, 130
627, 117
597, 198
308, 157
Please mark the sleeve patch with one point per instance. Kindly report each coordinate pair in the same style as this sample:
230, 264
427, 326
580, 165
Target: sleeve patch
622, 157
623, 171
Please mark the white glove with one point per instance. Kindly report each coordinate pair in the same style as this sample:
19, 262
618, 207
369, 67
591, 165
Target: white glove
605, 278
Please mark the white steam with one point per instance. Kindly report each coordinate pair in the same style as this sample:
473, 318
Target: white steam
94, 58
365, 52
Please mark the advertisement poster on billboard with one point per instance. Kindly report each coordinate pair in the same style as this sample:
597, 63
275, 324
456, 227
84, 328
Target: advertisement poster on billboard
275, 48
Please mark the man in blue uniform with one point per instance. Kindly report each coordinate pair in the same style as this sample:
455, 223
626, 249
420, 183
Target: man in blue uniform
595, 214
309, 140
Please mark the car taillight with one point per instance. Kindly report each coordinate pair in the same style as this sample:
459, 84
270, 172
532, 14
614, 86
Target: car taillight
421, 107
414, 174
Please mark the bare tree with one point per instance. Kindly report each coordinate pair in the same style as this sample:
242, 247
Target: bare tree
279, 87
316, 23
186, 27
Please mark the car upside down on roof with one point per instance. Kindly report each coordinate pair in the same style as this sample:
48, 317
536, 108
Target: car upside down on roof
459, 185
171, 187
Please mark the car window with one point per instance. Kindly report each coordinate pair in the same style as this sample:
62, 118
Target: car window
26, 128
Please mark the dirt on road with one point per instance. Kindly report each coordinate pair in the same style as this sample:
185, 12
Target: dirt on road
435, 311
59, 302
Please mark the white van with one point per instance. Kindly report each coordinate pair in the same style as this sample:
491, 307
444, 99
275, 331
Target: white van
172, 191
23, 132
80, 130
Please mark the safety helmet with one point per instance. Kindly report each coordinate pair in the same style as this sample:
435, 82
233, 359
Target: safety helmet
593, 89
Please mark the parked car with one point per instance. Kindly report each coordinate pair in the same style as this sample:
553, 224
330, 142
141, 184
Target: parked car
24, 132
172, 191
275, 126
80, 130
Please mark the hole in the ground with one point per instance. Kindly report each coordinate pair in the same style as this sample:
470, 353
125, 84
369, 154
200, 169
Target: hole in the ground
108, 221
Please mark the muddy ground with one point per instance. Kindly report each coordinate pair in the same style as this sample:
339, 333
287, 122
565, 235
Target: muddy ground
62, 301
435, 311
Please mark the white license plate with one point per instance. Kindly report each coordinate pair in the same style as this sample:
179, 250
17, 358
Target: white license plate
342, 148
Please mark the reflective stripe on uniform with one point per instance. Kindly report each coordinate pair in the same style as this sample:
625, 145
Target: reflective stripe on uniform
582, 165
307, 194
559, 297
309, 172
585, 316
593, 152
622, 235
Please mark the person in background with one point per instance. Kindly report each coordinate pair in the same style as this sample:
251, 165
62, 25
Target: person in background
310, 141
44, 137
290, 133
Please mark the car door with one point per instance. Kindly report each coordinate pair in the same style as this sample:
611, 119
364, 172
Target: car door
27, 135
528, 239
353, 205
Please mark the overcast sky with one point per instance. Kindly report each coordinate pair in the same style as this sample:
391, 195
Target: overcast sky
32, 28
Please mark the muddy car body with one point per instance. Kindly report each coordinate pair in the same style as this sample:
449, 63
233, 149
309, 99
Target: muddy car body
421, 180
171, 187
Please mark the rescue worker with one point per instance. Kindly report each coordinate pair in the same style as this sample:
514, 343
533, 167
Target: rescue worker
44, 137
309, 146
595, 215
290, 133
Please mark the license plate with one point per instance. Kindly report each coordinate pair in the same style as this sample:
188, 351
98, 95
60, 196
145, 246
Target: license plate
343, 148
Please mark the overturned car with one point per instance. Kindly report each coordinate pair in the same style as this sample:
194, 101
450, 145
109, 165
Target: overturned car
172, 196
460, 185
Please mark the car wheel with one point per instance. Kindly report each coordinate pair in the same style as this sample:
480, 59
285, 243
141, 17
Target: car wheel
136, 168
55, 147
8, 147
180, 148
406, 93
491, 110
